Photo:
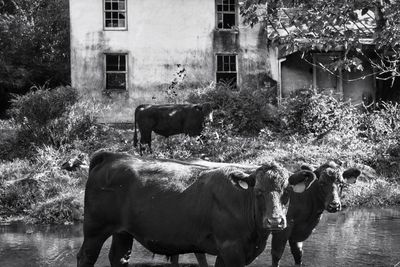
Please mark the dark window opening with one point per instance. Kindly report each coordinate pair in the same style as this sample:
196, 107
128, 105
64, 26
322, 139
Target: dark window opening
226, 70
116, 72
226, 14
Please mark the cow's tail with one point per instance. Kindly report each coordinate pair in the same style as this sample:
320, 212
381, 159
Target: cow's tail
135, 139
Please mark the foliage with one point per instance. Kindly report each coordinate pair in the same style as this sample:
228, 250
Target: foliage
34, 45
248, 111
55, 117
59, 210
40, 186
329, 25
309, 111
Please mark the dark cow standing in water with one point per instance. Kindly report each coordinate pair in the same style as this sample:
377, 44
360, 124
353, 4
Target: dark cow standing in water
305, 210
174, 208
169, 119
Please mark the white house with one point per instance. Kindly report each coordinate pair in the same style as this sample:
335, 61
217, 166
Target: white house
129, 50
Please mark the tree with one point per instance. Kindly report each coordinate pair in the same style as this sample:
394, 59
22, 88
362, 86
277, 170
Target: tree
34, 45
328, 24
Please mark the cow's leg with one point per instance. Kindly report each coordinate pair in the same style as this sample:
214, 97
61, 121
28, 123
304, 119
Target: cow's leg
201, 259
120, 250
89, 252
278, 244
175, 260
230, 255
297, 251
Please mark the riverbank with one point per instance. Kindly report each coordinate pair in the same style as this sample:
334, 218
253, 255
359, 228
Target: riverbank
37, 187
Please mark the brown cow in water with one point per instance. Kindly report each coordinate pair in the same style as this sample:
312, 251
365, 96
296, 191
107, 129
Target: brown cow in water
169, 119
174, 208
305, 210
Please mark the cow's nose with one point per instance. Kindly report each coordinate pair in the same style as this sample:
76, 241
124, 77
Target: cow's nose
334, 206
276, 222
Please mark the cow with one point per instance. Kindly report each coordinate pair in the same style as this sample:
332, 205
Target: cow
305, 209
173, 208
169, 119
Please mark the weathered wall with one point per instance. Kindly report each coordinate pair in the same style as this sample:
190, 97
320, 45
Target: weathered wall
160, 35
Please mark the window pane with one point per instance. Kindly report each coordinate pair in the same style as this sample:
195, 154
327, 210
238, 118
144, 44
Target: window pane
226, 8
232, 7
232, 60
116, 81
115, 6
108, 6
114, 15
226, 65
229, 21
232, 2
121, 5
108, 23
220, 21
121, 15
122, 65
219, 63
219, 7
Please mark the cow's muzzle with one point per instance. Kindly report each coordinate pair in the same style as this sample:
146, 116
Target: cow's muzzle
334, 207
275, 224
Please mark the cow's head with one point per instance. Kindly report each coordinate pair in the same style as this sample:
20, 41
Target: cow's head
207, 110
332, 179
271, 186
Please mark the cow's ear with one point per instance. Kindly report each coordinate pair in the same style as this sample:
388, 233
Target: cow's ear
306, 168
242, 179
301, 180
351, 175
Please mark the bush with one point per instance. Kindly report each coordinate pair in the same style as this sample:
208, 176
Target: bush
248, 111
308, 111
55, 117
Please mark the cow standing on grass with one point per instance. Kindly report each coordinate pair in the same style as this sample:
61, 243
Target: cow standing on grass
169, 119
173, 208
305, 210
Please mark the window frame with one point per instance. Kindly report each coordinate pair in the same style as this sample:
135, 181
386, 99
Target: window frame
126, 71
235, 13
229, 71
105, 28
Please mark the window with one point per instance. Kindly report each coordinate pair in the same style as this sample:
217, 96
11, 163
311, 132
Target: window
116, 71
226, 14
226, 70
115, 14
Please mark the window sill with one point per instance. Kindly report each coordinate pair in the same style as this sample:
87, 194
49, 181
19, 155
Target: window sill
115, 29
234, 30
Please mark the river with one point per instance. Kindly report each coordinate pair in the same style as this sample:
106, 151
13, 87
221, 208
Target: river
354, 237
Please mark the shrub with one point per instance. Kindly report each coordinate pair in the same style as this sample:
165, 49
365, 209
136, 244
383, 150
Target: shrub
309, 111
248, 111
59, 210
37, 108
55, 117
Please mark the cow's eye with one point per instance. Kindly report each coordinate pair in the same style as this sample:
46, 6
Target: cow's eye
285, 197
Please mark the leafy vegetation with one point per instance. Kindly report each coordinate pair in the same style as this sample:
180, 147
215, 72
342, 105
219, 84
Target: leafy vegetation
308, 128
34, 46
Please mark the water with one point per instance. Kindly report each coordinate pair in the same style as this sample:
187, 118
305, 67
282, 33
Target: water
359, 237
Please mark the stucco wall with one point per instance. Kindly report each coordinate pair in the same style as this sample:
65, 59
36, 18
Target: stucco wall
160, 35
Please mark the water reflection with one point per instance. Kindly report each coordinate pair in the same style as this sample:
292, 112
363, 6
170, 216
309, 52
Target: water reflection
361, 237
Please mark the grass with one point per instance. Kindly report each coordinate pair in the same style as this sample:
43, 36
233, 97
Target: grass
35, 187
